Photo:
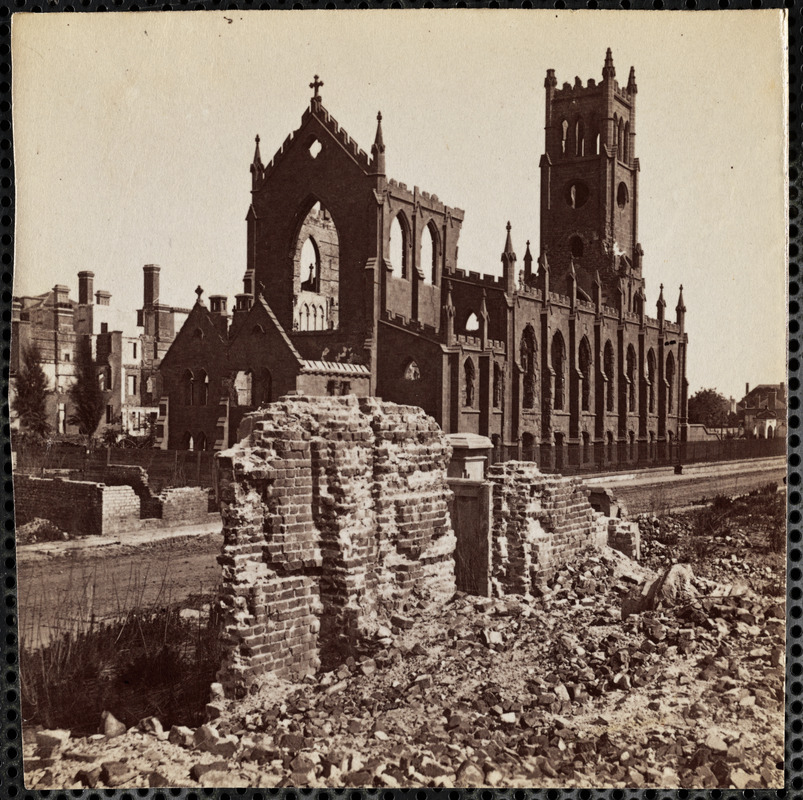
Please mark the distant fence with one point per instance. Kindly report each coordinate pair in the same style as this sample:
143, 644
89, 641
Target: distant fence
165, 468
601, 457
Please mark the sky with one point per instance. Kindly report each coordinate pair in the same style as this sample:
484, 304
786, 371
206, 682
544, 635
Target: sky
134, 132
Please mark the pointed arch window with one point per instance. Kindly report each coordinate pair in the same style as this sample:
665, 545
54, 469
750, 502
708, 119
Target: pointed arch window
430, 254
412, 371
472, 322
400, 247
610, 374
497, 385
559, 368
564, 135
620, 140
670, 383
200, 441
468, 380
262, 385
579, 138
188, 387
202, 388
189, 443
527, 352
585, 372
627, 143
310, 266
651, 381
631, 378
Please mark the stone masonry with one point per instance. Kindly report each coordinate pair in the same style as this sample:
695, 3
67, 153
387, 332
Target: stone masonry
335, 509
540, 523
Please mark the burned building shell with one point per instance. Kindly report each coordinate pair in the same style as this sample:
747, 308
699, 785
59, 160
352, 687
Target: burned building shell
352, 285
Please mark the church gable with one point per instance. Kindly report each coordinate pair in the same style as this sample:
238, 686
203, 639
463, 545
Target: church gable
197, 341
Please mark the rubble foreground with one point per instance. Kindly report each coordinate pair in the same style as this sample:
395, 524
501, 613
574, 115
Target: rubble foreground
565, 688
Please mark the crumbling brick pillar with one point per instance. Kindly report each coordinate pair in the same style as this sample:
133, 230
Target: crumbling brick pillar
335, 509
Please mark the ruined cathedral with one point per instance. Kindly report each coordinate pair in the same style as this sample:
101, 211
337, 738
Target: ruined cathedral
352, 286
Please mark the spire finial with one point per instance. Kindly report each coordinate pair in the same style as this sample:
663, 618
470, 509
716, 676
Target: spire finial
508, 241
199, 291
257, 156
608, 70
315, 85
631, 81
378, 147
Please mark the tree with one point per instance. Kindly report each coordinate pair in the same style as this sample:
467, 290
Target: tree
30, 397
709, 407
86, 394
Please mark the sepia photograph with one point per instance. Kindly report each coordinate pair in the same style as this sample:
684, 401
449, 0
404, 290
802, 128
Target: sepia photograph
392, 405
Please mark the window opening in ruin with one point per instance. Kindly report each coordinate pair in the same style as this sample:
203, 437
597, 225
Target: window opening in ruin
585, 371
243, 385
610, 374
620, 140
109, 414
627, 143
651, 381
189, 443
577, 194
310, 266
104, 327
189, 387
412, 372
564, 128
632, 436
586, 440
345, 387
198, 334
670, 383
133, 349
429, 254
102, 381
200, 442
622, 195
528, 365
579, 138
131, 384
315, 148
610, 446
497, 386
262, 386
399, 247
203, 388
331, 388
472, 323
316, 271
527, 448
631, 378
559, 366
156, 349
468, 374
576, 246
257, 330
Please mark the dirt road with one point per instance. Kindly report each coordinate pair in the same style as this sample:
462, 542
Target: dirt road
57, 593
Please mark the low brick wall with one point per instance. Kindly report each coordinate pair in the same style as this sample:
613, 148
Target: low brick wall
335, 510
539, 523
185, 505
79, 507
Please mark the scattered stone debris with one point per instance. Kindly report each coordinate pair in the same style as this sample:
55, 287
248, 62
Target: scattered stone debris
557, 688
39, 530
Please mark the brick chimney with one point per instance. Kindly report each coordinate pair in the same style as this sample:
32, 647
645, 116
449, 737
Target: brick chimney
217, 308
746, 389
85, 280
151, 286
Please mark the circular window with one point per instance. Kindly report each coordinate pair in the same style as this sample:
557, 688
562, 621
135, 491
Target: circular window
576, 194
576, 246
622, 195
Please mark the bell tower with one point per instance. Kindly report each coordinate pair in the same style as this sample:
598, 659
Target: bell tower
589, 187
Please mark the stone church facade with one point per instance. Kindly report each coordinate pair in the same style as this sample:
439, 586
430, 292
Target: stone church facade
352, 285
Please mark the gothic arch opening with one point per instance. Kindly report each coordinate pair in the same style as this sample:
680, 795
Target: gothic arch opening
316, 270
559, 368
631, 378
610, 373
564, 136
412, 372
651, 381
262, 387
202, 381
200, 441
497, 385
620, 140
399, 246
468, 378
576, 246
627, 143
579, 138
670, 383
585, 372
430, 254
472, 324
527, 354
188, 387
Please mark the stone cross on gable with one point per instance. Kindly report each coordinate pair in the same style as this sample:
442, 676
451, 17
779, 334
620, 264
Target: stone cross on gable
315, 85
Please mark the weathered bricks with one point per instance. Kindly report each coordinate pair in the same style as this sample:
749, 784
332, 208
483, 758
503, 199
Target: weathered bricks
334, 510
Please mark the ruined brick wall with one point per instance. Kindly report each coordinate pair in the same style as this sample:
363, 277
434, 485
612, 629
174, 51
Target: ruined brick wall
625, 537
80, 508
185, 505
539, 523
334, 510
